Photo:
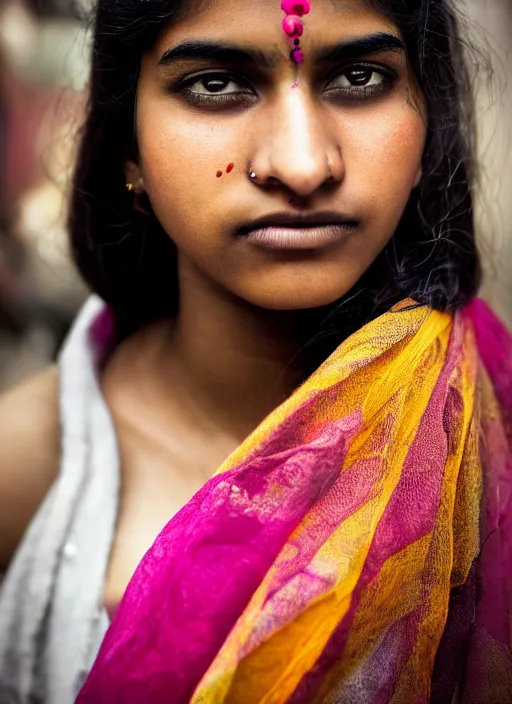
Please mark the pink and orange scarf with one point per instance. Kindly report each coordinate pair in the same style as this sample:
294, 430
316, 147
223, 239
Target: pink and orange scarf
357, 547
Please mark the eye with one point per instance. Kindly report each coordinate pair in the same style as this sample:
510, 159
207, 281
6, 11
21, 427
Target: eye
213, 85
362, 81
215, 89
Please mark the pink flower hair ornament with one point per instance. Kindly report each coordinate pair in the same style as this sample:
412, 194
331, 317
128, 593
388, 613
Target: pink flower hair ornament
292, 25
296, 7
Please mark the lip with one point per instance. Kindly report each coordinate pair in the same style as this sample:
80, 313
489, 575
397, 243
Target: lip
284, 219
299, 237
292, 231
296, 231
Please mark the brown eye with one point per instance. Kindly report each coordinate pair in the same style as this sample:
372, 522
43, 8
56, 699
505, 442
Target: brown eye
361, 81
216, 90
358, 77
215, 84
361, 76
211, 85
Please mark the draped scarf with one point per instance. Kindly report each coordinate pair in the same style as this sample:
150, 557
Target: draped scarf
356, 547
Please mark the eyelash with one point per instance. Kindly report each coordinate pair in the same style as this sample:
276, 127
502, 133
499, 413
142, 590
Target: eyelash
238, 98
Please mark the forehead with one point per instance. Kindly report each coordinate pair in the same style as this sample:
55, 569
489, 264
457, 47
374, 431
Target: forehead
259, 22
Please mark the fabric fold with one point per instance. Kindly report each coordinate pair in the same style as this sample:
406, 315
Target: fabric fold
347, 540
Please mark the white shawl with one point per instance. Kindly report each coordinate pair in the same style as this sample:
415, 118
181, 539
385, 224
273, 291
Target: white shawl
52, 618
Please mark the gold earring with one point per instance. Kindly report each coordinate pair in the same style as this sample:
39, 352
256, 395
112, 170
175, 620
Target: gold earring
130, 186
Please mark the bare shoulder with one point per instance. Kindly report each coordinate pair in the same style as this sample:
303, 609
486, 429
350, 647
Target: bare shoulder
29, 454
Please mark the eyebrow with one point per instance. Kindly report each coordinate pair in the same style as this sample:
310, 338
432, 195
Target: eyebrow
354, 48
226, 53
198, 49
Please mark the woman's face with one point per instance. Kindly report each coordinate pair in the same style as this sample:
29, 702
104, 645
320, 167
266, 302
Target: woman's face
355, 115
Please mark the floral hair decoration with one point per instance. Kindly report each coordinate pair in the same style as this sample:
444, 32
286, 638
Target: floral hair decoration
292, 25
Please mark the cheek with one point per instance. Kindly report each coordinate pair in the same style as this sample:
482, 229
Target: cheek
180, 159
383, 155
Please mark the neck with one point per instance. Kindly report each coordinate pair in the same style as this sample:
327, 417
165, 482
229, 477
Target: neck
235, 362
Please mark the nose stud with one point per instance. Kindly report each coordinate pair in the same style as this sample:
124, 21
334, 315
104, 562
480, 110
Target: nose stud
271, 179
267, 180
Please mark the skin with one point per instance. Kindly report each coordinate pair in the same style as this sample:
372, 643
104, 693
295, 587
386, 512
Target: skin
185, 394
240, 302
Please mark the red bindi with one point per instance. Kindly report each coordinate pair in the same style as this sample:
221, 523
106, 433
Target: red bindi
229, 168
219, 174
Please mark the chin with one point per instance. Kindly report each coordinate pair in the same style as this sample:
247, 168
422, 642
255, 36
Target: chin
298, 284
298, 298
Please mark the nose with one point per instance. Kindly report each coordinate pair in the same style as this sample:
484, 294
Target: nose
298, 149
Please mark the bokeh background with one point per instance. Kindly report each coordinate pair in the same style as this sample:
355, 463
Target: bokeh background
44, 55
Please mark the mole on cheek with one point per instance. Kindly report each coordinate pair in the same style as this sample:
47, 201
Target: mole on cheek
229, 168
218, 174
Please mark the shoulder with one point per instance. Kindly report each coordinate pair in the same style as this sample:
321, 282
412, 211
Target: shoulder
29, 454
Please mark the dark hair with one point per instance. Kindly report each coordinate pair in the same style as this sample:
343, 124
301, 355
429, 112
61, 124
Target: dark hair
129, 260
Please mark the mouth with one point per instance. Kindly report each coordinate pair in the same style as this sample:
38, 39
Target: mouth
292, 231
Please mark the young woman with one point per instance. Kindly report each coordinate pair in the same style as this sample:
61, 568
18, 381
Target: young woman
274, 464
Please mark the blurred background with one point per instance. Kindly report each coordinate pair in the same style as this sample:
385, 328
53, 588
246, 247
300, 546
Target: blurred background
43, 76
44, 51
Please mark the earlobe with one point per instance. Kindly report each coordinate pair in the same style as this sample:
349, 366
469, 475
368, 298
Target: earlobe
417, 180
133, 177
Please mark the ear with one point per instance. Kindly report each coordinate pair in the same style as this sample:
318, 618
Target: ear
133, 175
419, 174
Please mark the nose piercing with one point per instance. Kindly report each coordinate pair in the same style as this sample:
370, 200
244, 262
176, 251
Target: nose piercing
253, 177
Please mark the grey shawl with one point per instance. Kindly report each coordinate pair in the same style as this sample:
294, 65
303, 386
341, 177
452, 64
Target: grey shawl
52, 618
